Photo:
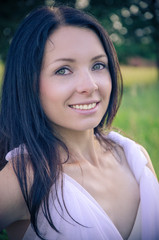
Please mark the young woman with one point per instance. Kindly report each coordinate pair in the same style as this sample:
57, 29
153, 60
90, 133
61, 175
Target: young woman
65, 175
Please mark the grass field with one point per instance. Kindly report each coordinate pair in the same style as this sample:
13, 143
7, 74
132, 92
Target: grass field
1, 70
139, 75
138, 115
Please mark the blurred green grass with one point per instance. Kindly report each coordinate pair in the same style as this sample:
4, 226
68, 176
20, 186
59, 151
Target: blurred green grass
138, 115
1, 71
140, 76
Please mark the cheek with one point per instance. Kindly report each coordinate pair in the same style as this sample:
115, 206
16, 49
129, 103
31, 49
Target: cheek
106, 87
49, 99
54, 93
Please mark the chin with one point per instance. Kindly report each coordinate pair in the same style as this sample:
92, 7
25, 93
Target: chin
88, 127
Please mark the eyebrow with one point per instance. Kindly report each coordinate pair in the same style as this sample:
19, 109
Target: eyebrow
73, 60
99, 56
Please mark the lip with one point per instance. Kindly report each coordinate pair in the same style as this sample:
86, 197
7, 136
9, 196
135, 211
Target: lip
85, 111
85, 103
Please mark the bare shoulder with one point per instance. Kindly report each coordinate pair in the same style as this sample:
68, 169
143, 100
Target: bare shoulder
149, 162
12, 203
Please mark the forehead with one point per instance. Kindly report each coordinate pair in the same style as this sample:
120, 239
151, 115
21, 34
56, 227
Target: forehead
70, 39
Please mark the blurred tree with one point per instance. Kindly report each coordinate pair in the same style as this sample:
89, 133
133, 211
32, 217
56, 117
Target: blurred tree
154, 7
11, 13
133, 26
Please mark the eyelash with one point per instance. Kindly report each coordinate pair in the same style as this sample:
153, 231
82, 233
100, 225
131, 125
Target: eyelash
67, 69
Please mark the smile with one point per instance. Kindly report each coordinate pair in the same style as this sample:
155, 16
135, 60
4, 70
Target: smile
84, 106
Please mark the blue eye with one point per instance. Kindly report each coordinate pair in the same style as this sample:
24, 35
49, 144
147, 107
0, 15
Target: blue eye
63, 71
98, 66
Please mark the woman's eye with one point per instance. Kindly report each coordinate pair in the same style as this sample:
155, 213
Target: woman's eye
63, 71
98, 66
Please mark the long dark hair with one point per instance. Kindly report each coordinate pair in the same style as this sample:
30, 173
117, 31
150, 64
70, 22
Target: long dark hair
22, 119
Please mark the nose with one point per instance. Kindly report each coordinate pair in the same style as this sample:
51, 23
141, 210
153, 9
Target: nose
86, 83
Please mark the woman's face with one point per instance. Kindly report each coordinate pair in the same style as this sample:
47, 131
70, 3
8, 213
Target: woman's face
75, 83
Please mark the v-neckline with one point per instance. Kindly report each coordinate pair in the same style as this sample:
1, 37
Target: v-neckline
84, 191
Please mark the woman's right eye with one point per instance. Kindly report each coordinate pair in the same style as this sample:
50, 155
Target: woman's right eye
63, 71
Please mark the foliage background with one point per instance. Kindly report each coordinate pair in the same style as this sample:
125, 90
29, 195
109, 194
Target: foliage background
132, 24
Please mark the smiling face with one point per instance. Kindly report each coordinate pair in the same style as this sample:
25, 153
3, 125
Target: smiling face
75, 83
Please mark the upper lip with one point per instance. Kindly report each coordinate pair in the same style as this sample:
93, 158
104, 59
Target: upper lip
85, 103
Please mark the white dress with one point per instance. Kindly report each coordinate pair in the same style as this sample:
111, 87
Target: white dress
85, 210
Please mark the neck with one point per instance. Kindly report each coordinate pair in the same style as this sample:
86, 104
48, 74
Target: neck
82, 145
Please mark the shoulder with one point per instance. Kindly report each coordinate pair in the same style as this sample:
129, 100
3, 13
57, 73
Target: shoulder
12, 205
130, 147
149, 162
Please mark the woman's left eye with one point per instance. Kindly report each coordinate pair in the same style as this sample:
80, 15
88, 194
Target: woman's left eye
98, 66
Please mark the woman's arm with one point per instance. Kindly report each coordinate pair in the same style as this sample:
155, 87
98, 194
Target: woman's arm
12, 204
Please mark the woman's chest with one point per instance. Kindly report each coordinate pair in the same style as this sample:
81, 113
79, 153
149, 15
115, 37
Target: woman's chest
117, 193
119, 197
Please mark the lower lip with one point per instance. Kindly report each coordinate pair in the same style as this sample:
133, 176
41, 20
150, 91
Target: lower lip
86, 111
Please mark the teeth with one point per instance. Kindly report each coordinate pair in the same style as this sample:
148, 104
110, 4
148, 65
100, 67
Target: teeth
85, 106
